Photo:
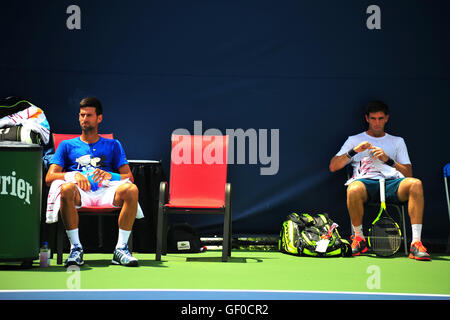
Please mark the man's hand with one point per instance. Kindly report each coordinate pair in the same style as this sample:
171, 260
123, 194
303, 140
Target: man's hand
375, 152
100, 175
378, 153
82, 182
338, 162
362, 146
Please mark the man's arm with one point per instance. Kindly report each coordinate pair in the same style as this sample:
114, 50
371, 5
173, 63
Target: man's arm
55, 172
124, 172
405, 169
338, 162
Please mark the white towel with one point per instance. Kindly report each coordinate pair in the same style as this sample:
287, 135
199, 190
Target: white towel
54, 201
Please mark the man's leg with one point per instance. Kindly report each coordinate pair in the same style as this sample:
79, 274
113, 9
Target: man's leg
127, 196
356, 197
70, 197
411, 190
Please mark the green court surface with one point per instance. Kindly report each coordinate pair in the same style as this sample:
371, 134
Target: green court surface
246, 270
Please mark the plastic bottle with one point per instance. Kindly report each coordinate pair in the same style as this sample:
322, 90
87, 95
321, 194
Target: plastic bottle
89, 173
44, 255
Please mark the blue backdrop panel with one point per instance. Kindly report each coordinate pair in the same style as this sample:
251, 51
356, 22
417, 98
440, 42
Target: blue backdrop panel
306, 68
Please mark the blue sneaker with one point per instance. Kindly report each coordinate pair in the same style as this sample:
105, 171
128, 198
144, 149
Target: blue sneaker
123, 256
75, 257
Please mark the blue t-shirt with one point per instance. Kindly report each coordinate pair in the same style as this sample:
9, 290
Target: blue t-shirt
76, 155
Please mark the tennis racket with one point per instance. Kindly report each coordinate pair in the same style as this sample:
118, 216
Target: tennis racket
384, 233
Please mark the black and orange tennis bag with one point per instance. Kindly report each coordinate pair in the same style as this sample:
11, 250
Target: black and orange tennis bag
312, 235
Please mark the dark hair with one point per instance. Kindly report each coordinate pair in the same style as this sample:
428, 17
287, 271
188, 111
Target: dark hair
92, 102
376, 106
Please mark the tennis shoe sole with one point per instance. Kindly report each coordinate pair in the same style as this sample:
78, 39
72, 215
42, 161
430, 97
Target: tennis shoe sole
133, 263
411, 256
359, 252
74, 263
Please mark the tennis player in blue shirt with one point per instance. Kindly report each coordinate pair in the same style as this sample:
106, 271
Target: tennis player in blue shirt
95, 173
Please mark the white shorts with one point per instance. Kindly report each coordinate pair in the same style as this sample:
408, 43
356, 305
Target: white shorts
101, 197
104, 197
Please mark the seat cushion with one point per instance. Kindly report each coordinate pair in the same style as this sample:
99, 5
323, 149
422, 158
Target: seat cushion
98, 209
196, 203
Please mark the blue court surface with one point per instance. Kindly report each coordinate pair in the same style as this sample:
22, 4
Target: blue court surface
208, 295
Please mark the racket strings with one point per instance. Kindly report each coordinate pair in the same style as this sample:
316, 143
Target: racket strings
385, 237
385, 234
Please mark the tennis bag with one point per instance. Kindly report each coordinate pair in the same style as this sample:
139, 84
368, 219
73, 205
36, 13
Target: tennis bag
12, 104
300, 235
183, 238
19, 133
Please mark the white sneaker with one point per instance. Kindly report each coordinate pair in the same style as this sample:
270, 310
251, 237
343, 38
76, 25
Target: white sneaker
75, 257
124, 257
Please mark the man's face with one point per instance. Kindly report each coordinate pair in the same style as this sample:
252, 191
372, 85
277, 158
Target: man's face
88, 119
377, 121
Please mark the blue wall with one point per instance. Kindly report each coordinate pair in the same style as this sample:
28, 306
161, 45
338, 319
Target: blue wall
306, 68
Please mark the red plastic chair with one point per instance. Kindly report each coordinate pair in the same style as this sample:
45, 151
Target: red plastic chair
198, 185
89, 210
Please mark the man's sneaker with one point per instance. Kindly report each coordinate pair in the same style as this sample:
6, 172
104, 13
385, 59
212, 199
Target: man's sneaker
123, 256
359, 245
75, 257
418, 252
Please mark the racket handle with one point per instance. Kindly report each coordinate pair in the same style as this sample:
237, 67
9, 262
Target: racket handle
382, 190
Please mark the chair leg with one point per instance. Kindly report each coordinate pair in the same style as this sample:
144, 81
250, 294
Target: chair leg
230, 229
164, 233
447, 196
130, 241
227, 231
226, 235
161, 224
59, 241
100, 232
230, 205
405, 241
159, 233
230, 238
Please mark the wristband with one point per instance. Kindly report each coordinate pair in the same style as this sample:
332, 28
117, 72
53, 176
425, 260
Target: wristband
115, 176
390, 162
70, 176
351, 153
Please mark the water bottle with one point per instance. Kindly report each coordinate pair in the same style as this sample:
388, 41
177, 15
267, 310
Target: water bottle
44, 256
89, 173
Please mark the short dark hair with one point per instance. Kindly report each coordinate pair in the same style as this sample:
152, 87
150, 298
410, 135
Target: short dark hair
92, 102
376, 106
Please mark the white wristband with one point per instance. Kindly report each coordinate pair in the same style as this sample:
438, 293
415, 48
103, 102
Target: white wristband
70, 176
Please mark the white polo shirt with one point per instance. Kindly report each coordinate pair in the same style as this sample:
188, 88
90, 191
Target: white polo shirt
364, 167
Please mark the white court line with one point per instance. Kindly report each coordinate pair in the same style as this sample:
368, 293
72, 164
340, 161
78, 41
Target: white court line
226, 291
